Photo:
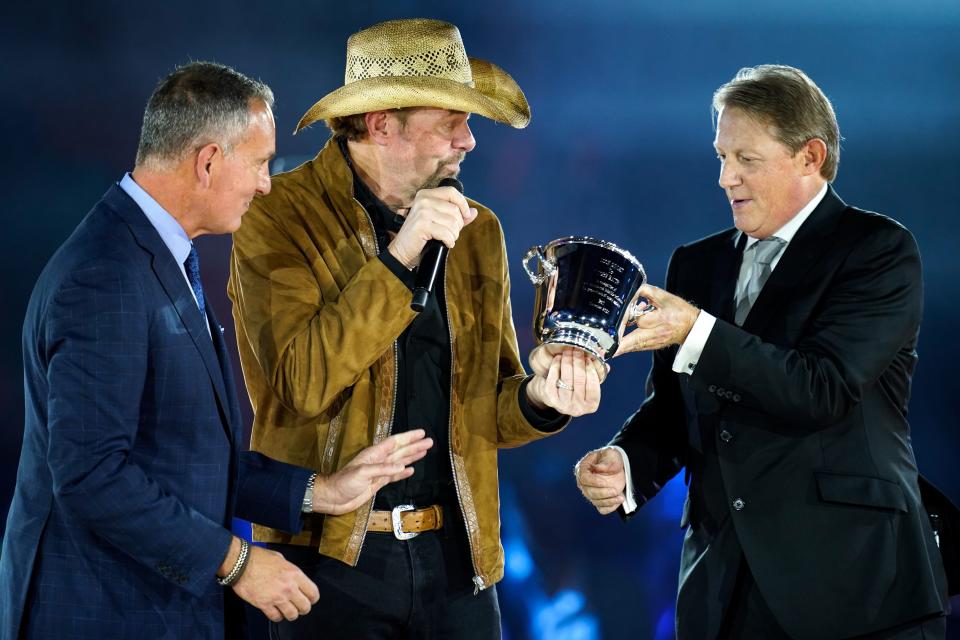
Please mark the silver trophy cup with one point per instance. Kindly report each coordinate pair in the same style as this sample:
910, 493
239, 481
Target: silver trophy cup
586, 295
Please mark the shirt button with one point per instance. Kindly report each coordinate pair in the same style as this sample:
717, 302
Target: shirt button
726, 436
739, 504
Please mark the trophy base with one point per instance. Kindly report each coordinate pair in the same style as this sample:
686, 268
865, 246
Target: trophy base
578, 339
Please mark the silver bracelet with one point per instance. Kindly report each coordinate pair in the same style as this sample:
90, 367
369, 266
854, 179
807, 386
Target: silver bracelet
238, 566
307, 506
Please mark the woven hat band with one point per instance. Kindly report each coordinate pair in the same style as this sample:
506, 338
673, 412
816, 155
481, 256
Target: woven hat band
449, 62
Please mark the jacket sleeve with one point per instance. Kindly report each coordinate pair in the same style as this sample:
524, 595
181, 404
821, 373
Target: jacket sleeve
868, 316
311, 346
513, 428
96, 349
655, 437
271, 492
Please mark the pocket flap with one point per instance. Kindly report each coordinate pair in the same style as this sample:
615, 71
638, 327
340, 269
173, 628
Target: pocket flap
860, 490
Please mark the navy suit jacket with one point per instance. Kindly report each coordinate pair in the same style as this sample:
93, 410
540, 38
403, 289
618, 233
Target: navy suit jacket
792, 430
131, 468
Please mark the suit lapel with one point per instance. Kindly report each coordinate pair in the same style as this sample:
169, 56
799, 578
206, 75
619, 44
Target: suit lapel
220, 346
171, 279
710, 284
726, 269
813, 240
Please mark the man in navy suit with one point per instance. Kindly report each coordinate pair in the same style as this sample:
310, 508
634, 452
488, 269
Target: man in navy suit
132, 468
782, 387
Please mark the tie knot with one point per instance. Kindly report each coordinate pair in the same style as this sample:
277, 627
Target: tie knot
768, 248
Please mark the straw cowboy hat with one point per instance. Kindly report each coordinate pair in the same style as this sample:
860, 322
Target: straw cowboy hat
419, 63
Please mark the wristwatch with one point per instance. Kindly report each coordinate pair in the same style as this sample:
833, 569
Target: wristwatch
307, 506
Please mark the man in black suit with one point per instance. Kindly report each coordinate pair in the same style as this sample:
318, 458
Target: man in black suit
782, 388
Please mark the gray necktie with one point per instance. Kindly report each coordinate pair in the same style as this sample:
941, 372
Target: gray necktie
764, 252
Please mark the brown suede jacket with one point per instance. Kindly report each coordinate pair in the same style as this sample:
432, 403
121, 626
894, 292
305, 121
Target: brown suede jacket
317, 317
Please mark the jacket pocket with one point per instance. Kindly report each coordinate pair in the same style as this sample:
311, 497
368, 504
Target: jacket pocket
864, 491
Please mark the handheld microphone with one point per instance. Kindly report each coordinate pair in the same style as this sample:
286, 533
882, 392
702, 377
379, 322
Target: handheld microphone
433, 255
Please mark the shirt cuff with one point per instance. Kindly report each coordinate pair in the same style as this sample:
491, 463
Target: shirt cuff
546, 420
405, 275
629, 500
688, 355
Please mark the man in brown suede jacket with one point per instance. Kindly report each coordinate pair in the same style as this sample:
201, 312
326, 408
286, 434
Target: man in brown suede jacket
335, 359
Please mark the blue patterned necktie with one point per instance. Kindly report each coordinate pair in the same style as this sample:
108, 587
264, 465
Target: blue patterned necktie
764, 252
192, 266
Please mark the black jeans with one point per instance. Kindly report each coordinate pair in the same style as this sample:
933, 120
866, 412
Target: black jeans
418, 588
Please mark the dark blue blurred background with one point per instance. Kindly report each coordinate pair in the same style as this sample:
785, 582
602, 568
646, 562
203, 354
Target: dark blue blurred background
619, 147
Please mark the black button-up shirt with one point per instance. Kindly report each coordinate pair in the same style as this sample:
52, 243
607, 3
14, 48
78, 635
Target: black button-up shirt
422, 399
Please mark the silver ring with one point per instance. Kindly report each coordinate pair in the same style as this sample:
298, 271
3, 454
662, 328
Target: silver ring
563, 385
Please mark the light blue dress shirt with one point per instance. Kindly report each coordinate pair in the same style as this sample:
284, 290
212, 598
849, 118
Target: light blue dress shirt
166, 225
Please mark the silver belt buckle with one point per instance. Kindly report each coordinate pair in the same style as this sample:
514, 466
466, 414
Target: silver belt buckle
398, 531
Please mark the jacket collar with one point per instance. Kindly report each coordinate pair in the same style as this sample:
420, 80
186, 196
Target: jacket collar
725, 270
811, 242
333, 172
171, 279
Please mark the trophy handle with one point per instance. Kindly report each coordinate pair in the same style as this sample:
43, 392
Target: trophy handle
546, 269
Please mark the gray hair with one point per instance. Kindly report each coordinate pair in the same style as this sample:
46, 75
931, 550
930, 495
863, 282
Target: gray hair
788, 99
199, 103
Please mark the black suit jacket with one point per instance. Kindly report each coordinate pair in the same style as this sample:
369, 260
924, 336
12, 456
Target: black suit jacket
793, 432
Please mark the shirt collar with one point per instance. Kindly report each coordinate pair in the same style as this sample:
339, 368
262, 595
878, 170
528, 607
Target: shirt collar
787, 231
166, 225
